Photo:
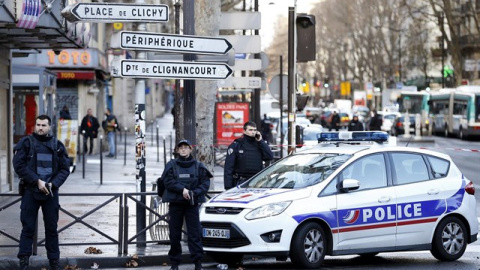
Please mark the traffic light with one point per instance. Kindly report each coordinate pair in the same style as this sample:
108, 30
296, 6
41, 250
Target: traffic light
325, 84
306, 48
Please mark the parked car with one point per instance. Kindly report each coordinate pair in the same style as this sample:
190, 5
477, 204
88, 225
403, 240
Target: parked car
398, 126
345, 197
387, 119
310, 133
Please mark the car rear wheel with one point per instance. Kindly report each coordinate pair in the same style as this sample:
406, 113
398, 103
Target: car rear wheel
309, 246
231, 259
449, 241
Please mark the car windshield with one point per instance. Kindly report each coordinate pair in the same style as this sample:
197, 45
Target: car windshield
298, 171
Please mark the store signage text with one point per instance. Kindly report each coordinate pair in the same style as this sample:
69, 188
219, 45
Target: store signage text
70, 57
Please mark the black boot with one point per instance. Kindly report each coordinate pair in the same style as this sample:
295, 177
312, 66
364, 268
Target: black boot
54, 265
24, 260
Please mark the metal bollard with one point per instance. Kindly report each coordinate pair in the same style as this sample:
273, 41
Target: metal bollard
115, 132
101, 160
83, 155
164, 153
125, 148
158, 147
151, 141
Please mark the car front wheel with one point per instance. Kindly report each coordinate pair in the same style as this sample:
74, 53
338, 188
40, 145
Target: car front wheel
449, 241
308, 246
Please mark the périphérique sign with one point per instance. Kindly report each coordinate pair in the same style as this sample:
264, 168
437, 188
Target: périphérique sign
174, 70
114, 12
174, 43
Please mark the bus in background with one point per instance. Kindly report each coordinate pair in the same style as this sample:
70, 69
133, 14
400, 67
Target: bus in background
456, 111
416, 103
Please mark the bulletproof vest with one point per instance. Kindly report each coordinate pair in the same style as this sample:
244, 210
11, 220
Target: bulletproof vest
187, 176
44, 160
248, 159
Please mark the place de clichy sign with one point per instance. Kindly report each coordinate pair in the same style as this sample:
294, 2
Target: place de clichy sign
174, 70
174, 43
103, 12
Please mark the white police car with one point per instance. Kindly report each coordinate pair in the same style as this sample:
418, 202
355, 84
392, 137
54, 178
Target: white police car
338, 199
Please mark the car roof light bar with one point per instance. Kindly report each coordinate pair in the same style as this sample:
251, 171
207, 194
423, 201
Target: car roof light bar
353, 136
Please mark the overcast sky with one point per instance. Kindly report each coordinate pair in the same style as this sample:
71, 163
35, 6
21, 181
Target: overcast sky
272, 9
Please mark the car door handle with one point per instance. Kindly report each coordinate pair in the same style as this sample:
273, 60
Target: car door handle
433, 191
384, 199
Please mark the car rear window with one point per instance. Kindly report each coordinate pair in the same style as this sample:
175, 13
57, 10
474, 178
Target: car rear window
440, 166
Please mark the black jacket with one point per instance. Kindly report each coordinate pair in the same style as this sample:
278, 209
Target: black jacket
174, 187
235, 153
24, 169
91, 131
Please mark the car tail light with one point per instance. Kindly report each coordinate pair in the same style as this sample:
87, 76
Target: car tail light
399, 124
470, 189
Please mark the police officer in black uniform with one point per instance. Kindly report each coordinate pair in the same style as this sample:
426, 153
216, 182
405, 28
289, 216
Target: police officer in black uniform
186, 183
42, 165
245, 156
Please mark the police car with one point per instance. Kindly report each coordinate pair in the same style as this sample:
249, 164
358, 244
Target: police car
354, 193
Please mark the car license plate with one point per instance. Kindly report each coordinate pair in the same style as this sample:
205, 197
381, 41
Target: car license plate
216, 233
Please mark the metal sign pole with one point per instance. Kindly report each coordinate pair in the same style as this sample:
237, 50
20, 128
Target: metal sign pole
140, 130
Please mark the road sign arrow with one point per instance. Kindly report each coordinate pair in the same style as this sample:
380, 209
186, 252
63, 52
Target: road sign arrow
113, 12
174, 70
174, 43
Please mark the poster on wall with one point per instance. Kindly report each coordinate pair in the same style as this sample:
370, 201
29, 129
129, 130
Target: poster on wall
67, 133
230, 119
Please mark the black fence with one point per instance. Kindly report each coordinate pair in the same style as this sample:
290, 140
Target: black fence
111, 223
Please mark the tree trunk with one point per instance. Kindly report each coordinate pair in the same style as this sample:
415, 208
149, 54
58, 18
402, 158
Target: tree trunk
207, 14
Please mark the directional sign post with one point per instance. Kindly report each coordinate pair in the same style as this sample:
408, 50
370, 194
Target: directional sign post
174, 43
174, 70
113, 12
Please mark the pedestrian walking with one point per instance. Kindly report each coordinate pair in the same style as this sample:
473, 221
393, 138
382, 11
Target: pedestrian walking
355, 124
266, 127
65, 113
245, 156
42, 164
375, 121
334, 121
110, 125
186, 182
90, 125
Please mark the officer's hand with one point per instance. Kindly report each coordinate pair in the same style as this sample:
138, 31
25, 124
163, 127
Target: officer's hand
185, 194
42, 187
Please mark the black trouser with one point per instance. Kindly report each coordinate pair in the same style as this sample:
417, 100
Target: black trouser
177, 212
28, 217
85, 138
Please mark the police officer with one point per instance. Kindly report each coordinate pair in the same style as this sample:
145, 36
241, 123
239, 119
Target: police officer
355, 124
245, 156
186, 183
42, 164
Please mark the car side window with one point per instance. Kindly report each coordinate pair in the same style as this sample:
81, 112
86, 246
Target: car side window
440, 166
369, 170
409, 168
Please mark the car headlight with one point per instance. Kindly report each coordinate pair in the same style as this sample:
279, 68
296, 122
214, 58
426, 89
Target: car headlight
268, 210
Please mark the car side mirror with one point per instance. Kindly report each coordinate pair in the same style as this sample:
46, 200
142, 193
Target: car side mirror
349, 184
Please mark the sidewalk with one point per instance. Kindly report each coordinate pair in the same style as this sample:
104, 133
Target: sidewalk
117, 178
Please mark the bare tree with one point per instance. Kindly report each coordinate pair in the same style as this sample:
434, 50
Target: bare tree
207, 14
